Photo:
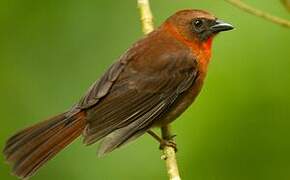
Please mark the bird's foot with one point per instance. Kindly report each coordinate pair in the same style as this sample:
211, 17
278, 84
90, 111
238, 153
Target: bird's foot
169, 142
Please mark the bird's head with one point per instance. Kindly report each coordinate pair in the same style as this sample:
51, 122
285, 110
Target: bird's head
196, 26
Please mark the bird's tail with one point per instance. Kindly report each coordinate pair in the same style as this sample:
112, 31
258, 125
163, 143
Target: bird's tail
32, 147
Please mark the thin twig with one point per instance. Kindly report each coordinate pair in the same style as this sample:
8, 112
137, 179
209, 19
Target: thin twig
146, 16
168, 151
169, 155
243, 6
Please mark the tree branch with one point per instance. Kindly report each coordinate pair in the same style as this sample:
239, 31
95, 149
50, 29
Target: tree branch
146, 16
168, 151
243, 6
169, 155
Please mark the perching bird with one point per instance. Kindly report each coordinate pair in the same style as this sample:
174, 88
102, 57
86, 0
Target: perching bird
150, 85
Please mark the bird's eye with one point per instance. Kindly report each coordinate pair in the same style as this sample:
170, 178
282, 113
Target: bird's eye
198, 23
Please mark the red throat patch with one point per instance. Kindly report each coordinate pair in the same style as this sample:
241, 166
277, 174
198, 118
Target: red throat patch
208, 44
201, 50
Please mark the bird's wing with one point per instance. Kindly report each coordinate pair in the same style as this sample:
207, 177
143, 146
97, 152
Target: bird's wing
101, 87
127, 100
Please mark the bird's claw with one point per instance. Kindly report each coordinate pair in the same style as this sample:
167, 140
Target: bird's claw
168, 143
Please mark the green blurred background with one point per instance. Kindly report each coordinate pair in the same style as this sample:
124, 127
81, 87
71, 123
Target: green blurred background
238, 128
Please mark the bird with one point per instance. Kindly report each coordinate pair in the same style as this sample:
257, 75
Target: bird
149, 86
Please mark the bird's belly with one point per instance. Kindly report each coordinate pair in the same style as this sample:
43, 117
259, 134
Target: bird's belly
182, 103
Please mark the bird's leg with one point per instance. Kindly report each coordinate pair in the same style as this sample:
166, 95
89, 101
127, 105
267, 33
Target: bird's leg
166, 141
155, 136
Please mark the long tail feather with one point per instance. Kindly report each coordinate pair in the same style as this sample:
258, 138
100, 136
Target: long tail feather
32, 147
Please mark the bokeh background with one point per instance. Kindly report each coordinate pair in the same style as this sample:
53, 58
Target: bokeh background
238, 128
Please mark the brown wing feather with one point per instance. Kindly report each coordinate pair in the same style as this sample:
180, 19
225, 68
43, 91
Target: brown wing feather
137, 90
100, 88
140, 122
136, 98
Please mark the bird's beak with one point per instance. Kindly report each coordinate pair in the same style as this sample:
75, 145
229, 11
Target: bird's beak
220, 25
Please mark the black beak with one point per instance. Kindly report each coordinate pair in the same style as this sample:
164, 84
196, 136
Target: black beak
219, 26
